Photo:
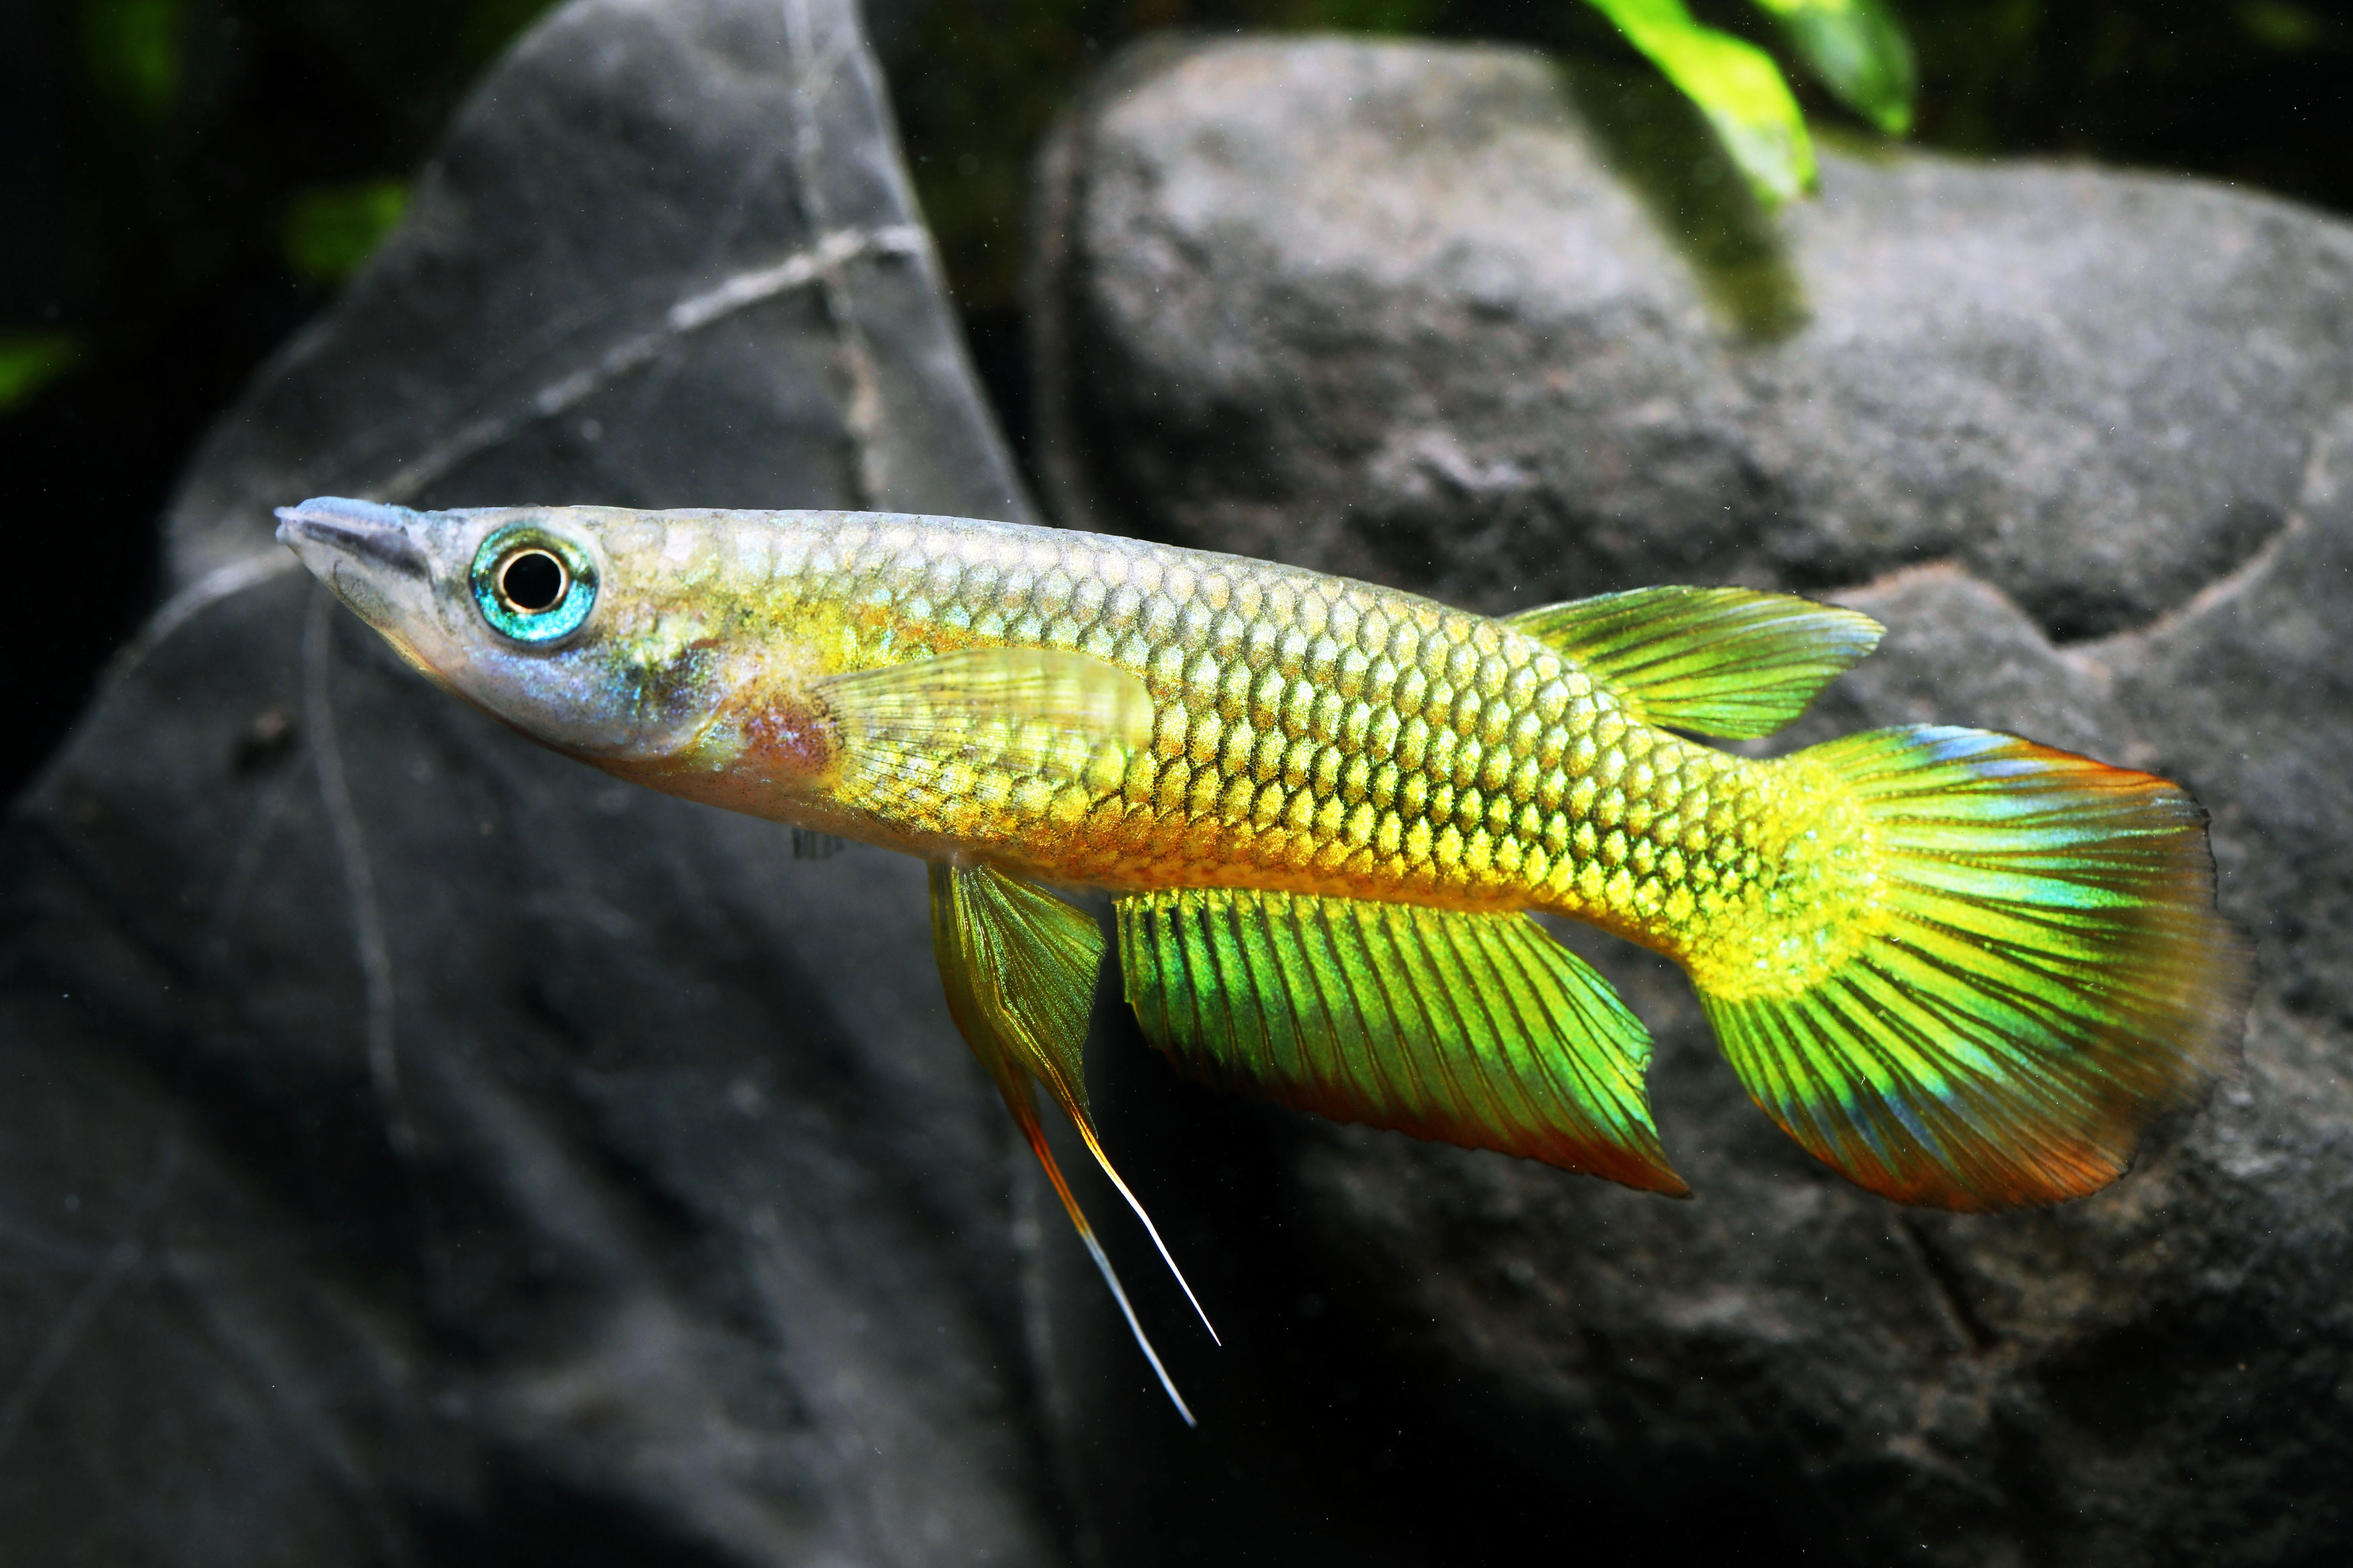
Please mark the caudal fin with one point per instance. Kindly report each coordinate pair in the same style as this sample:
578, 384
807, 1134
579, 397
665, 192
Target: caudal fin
2049, 973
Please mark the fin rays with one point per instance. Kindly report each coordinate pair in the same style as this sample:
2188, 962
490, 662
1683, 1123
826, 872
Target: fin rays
1470, 1028
1019, 966
1062, 716
2052, 975
1733, 662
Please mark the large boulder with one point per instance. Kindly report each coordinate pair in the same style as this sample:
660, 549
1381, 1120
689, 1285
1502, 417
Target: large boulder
668, 256
1455, 319
420, 1150
417, 1148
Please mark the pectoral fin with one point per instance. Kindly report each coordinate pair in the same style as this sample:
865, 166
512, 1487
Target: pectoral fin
1470, 1029
1731, 662
810, 844
931, 724
1019, 966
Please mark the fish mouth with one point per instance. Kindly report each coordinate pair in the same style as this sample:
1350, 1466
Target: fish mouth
330, 530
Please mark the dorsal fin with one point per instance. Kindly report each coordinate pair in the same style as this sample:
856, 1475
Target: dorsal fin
1018, 966
1470, 1029
1731, 662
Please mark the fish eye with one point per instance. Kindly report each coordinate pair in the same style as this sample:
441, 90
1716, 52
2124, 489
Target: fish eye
533, 581
533, 587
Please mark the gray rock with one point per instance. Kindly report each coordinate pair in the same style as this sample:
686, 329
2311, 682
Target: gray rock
417, 1148
1450, 318
1440, 300
666, 257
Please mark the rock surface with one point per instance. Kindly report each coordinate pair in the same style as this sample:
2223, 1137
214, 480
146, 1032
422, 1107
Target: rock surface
663, 258
1507, 334
2085, 441
417, 1148
420, 1150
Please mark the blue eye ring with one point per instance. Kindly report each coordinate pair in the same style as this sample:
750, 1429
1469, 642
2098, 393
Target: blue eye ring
533, 587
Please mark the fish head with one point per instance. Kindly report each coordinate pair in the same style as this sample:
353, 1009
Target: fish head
527, 613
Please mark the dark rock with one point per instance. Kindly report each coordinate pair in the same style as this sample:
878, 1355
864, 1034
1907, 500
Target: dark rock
417, 1148
1442, 302
666, 257
420, 1150
1446, 317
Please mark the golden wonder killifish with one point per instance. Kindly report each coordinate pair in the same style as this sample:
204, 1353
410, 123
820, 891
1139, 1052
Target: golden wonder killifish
1962, 969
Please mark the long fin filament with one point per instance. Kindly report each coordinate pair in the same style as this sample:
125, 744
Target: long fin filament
1019, 966
1036, 1134
1085, 1124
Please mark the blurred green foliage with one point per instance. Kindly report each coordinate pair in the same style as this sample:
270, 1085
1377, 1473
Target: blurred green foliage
260, 148
248, 146
30, 361
2278, 25
330, 230
224, 162
1735, 84
1858, 50
131, 49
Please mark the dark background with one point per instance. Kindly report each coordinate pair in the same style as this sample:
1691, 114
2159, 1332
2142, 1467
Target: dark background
185, 180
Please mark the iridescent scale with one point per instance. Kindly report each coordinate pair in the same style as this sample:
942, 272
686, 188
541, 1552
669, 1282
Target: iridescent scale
1309, 733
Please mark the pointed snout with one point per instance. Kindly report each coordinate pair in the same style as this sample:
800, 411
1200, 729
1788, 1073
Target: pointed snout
330, 530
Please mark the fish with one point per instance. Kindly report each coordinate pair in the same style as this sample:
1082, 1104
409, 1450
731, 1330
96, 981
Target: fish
1961, 969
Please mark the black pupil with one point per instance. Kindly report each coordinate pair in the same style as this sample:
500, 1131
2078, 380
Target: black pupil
533, 581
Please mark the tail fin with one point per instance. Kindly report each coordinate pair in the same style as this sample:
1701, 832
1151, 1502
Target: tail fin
2051, 974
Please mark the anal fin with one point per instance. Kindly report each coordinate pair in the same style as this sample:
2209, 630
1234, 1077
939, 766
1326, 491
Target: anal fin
1019, 966
1466, 1027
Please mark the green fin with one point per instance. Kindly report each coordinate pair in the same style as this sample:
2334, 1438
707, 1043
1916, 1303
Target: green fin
2052, 976
1731, 662
1019, 965
1470, 1029
1061, 715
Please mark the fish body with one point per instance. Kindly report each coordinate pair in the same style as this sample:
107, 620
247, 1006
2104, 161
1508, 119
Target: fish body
1964, 969
1304, 733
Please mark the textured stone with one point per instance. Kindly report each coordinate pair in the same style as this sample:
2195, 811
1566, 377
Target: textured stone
420, 1150
1451, 317
667, 258
1448, 318
417, 1148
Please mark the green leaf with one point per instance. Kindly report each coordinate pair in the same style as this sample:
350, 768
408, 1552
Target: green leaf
132, 50
330, 230
2276, 24
1737, 87
30, 362
1858, 50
